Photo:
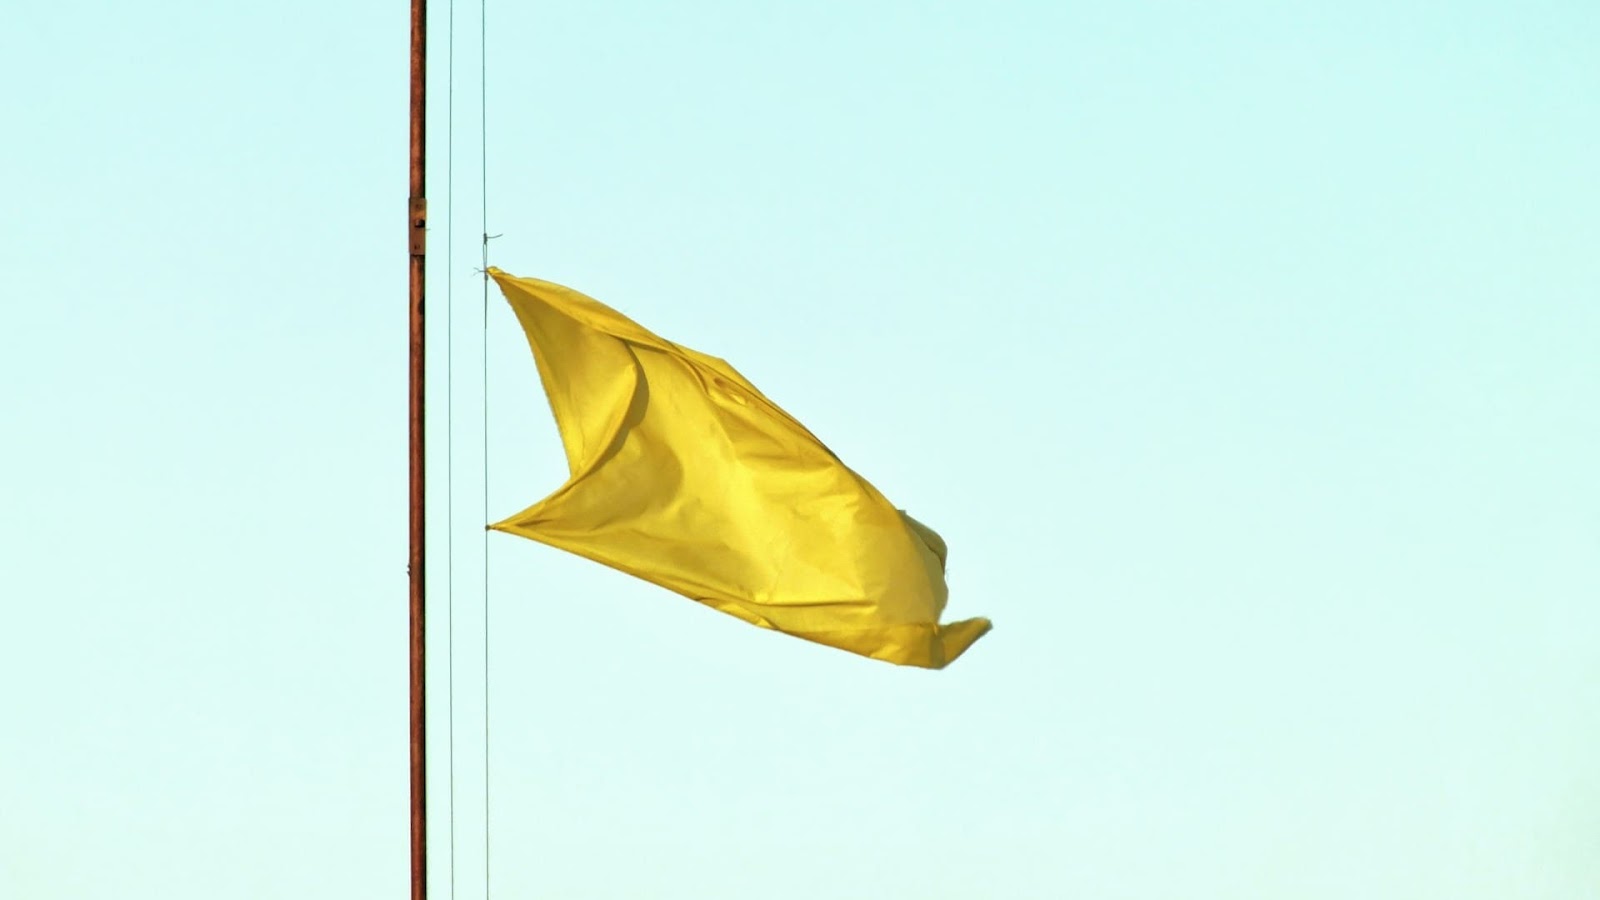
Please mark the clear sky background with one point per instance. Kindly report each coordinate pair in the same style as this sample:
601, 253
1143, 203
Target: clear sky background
1245, 353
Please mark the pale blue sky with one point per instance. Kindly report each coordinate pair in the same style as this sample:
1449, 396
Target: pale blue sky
1244, 352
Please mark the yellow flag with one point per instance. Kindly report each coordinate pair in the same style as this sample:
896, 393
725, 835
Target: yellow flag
684, 475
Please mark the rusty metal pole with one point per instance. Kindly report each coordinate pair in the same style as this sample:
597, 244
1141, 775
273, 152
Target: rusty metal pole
417, 224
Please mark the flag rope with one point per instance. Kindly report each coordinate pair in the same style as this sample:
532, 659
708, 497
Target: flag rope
483, 171
449, 420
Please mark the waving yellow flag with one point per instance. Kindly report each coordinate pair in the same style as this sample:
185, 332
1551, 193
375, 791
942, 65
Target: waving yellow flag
684, 475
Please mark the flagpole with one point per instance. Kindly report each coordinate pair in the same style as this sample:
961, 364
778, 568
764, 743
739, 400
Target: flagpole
417, 221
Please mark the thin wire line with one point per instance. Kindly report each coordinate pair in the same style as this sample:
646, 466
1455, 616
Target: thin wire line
483, 144
449, 418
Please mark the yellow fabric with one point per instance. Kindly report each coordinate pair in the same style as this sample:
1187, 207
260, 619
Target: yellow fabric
684, 475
